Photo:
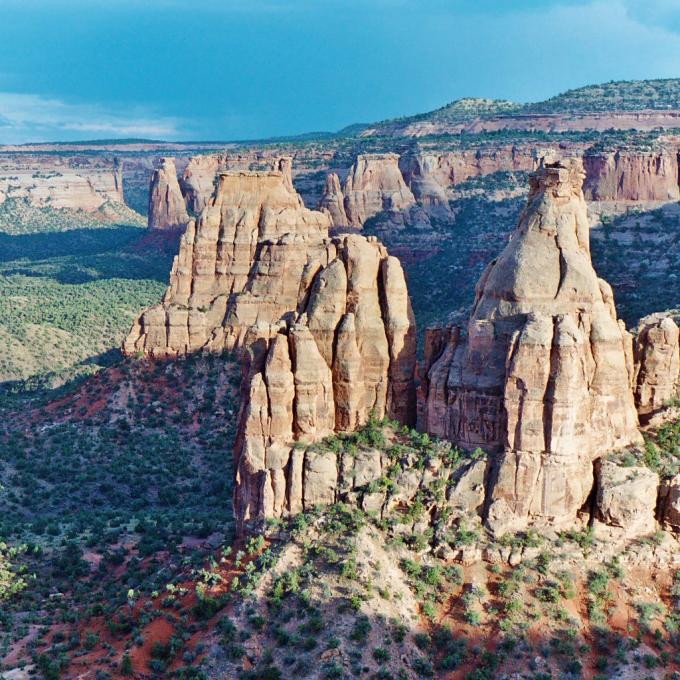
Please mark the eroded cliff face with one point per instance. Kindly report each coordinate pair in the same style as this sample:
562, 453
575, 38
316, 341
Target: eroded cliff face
542, 380
241, 263
75, 183
166, 203
632, 176
348, 353
375, 184
199, 179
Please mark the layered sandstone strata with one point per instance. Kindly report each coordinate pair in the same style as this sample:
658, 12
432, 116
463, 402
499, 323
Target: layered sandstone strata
542, 380
166, 203
632, 176
347, 354
247, 259
375, 184
657, 363
75, 183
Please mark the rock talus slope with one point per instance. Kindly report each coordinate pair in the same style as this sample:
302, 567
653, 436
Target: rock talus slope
542, 380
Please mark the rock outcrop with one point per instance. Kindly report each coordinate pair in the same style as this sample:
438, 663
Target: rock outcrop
375, 184
657, 363
246, 260
625, 499
421, 172
669, 503
199, 179
631, 176
542, 381
333, 201
166, 203
346, 354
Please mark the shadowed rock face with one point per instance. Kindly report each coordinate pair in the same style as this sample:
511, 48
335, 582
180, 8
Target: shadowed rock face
543, 378
374, 184
349, 354
166, 203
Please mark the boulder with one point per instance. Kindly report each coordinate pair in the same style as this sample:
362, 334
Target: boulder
626, 498
657, 363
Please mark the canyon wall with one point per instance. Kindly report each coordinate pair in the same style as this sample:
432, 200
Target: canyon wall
74, 183
632, 175
644, 120
375, 184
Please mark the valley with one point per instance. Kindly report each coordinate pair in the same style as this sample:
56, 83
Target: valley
268, 412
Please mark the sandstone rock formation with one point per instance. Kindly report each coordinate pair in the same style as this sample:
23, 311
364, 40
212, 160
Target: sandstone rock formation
333, 202
543, 379
421, 175
346, 354
626, 498
631, 175
374, 184
166, 203
246, 259
198, 181
657, 363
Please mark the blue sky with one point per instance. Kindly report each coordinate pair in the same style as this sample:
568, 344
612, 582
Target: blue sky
237, 69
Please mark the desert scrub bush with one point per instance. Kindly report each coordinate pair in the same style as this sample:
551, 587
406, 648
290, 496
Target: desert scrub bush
472, 599
585, 538
599, 597
647, 613
521, 539
11, 579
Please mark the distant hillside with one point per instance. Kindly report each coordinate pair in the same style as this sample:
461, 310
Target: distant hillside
583, 108
624, 95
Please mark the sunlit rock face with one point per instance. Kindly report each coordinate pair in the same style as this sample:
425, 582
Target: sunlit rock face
241, 262
542, 379
375, 184
632, 176
657, 363
348, 354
